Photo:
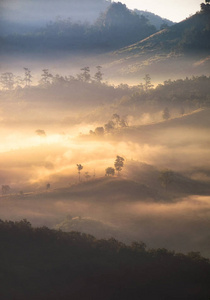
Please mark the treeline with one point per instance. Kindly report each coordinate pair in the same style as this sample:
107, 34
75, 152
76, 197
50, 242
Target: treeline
190, 93
39, 263
87, 88
116, 27
10, 81
183, 94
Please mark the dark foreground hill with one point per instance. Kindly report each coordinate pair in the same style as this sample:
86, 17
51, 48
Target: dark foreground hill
39, 263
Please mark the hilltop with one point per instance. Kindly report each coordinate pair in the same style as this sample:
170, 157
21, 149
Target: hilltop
154, 19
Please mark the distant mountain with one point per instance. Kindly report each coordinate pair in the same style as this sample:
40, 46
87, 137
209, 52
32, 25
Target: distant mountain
154, 19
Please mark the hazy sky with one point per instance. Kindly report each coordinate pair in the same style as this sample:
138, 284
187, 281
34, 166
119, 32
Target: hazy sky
173, 10
29, 10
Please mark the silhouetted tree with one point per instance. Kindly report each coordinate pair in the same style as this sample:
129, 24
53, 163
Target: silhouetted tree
166, 177
166, 114
79, 168
87, 175
138, 246
99, 131
98, 75
46, 77
40, 132
27, 77
5, 189
48, 186
110, 171
147, 82
7, 80
119, 163
109, 126
85, 75
123, 123
116, 119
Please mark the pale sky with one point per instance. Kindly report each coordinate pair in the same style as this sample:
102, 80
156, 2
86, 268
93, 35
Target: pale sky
173, 10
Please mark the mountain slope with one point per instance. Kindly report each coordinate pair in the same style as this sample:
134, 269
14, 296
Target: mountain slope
183, 49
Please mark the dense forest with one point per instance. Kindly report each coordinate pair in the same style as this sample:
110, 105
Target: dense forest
39, 263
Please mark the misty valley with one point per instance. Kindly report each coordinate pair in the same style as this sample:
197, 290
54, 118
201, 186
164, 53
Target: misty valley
160, 133
104, 154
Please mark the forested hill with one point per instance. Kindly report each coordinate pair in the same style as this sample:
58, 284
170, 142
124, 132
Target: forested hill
154, 19
180, 50
191, 35
39, 263
116, 27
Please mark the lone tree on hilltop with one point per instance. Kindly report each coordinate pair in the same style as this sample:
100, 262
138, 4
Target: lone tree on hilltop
118, 164
110, 171
79, 168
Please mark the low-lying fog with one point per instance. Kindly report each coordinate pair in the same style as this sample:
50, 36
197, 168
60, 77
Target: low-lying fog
43, 140
34, 156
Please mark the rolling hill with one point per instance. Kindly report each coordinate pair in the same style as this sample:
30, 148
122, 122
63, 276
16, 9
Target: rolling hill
183, 49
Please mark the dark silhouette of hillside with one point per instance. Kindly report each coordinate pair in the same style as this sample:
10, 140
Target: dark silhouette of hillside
39, 263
